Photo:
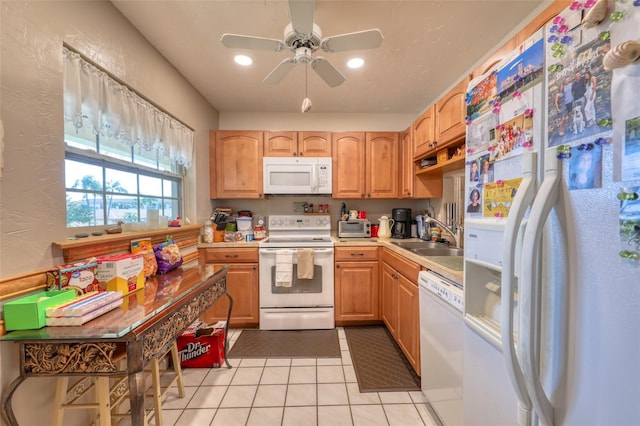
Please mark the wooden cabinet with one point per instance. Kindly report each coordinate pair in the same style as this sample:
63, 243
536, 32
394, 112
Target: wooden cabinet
242, 284
450, 115
356, 284
237, 164
389, 299
297, 144
365, 165
400, 304
406, 167
424, 132
381, 165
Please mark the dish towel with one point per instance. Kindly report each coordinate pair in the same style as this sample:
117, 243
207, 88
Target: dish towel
305, 264
284, 267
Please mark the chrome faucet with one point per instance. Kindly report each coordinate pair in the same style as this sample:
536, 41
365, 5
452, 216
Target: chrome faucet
451, 231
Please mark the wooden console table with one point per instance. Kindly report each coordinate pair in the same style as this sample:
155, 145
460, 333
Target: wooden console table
144, 327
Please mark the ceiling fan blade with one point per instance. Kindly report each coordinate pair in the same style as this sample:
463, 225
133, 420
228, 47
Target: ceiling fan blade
367, 39
327, 72
302, 15
236, 41
280, 71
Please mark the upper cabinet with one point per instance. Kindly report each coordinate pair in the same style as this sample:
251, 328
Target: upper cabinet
424, 131
450, 114
297, 144
365, 165
237, 164
406, 167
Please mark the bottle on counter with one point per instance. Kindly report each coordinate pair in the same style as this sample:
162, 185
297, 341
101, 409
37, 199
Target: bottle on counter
207, 233
259, 232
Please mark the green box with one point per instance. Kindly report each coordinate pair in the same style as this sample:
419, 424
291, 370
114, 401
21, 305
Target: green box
28, 312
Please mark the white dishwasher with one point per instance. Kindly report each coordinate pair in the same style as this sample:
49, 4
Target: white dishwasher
441, 345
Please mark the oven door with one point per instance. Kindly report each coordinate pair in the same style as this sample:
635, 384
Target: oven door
315, 292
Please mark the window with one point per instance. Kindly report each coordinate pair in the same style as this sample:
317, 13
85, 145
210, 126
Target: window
110, 182
123, 155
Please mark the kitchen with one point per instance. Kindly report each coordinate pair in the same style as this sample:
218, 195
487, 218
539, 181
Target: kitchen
31, 220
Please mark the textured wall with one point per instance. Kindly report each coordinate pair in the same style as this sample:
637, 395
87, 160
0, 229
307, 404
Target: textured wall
32, 196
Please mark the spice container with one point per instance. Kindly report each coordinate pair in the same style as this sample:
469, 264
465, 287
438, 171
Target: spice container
259, 232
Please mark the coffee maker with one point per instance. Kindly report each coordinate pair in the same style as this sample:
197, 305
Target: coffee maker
401, 223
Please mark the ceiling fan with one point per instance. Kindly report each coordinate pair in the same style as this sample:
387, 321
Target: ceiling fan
303, 37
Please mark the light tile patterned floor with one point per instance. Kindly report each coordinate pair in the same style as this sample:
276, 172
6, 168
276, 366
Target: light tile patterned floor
297, 392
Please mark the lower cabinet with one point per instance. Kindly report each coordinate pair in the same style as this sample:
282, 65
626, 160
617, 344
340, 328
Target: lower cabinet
242, 285
400, 304
356, 284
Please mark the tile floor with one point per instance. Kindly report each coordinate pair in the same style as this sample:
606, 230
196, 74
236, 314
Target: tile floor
313, 391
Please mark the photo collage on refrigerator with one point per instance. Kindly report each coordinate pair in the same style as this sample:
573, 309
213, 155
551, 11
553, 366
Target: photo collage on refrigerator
593, 81
501, 126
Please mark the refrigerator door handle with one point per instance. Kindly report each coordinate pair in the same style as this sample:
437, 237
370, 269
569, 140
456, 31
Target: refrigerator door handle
522, 200
531, 288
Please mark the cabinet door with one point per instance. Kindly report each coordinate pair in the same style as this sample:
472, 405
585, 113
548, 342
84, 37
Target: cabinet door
388, 298
382, 165
348, 165
242, 285
450, 114
406, 165
314, 144
356, 291
238, 163
408, 332
280, 144
424, 129
213, 193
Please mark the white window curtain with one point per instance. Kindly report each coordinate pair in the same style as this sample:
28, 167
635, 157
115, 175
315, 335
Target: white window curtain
118, 112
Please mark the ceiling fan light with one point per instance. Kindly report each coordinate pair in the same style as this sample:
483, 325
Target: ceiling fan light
355, 63
243, 60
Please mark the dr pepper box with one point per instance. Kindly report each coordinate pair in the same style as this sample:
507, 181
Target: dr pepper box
81, 277
121, 272
201, 346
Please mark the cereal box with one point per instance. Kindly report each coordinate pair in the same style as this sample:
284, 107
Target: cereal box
81, 277
121, 272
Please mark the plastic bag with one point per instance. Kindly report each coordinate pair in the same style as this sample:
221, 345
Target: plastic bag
168, 256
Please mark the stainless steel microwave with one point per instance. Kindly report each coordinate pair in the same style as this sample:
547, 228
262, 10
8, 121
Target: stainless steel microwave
357, 228
297, 175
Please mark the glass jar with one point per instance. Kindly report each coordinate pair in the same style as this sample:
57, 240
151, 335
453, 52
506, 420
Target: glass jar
207, 233
259, 232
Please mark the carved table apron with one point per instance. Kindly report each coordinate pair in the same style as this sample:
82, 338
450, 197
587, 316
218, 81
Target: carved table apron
143, 332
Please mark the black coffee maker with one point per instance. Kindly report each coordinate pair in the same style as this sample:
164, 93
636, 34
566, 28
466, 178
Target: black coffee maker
401, 223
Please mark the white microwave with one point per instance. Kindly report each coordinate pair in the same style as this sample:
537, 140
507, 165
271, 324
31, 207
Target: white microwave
297, 175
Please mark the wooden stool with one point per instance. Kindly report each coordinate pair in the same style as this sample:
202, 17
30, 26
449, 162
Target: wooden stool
110, 394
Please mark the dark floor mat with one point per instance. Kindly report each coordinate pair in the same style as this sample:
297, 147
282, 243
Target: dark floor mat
379, 362
286, 344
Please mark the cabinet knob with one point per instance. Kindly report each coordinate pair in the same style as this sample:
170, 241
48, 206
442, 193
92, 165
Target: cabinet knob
295, 154
301, 154
337, 266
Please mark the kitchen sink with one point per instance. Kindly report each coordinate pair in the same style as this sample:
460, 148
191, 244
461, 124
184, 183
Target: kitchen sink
410, 245
429, 248
445, 251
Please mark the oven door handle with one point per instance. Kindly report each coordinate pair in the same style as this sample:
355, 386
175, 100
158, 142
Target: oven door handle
274, 250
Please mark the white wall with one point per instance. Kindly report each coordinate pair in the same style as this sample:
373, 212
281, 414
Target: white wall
311, 121
32, 195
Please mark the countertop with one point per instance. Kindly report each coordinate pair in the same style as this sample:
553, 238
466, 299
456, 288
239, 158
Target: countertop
450, 267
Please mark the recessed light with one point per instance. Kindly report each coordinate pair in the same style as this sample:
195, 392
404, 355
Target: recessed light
355, 62
243, 60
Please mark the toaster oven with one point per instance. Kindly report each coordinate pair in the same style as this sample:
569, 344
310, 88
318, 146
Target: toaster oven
356, 228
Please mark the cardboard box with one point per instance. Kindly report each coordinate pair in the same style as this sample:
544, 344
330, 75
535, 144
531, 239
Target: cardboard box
201, 351
82, 277
28, 313
121, 272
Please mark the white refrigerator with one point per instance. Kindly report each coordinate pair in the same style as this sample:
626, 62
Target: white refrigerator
552, 228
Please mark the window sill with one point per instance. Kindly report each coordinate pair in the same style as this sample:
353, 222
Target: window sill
83, 248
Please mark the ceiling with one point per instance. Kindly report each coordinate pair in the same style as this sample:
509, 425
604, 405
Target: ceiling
428, 45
